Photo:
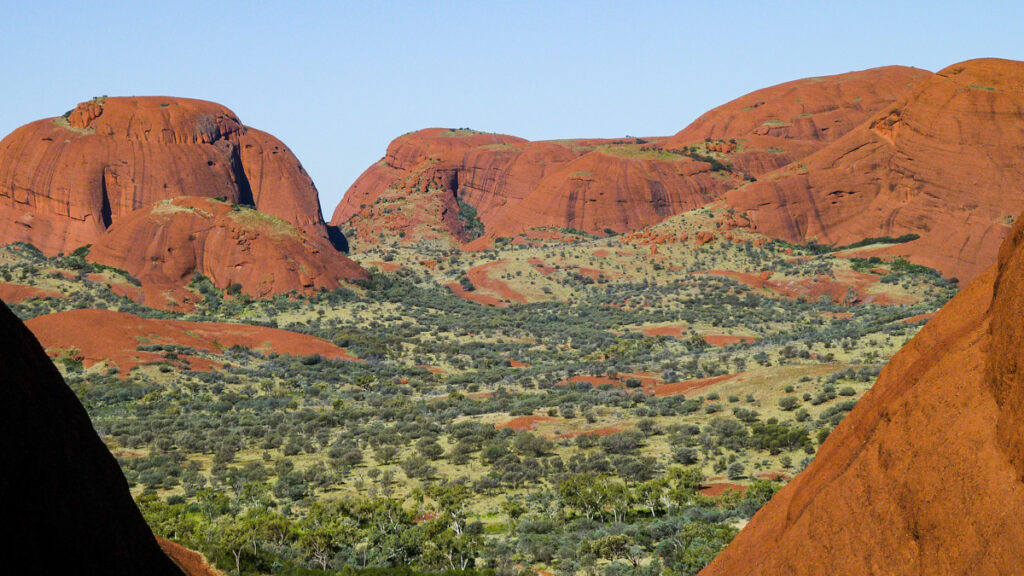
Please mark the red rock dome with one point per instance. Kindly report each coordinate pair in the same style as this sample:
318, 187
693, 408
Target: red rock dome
944, 162
65, 180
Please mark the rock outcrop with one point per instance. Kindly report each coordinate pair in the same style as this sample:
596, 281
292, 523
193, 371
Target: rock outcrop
515, 185
603, 185
67, 509
165, 244
778, 125
944, 162
137, 177
924, 476
65, 180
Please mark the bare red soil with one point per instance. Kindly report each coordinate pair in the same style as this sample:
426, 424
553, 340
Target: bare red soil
597, 274
100, 335
672, 331
606, 431
474, 296
15, 293
483, 278
192, 563
541, 266
721, 340
594, 380
523, 423
385, 266
674, 388
836, 289
719, 488
919, 318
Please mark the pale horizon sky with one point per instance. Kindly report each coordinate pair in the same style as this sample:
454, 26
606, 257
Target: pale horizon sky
337, 81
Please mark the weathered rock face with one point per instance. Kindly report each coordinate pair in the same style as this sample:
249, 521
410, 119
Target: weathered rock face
67, 509
515, 185
594, 185
63, 181
944, 162
783, 123
165, 244
924, 475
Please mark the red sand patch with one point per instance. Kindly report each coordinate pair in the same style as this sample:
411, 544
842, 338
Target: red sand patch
606, 431
836, 289
671, 331
189, 561
647, 380
129, 291
838, 315
523, 423
541, 266
597, 273
719, 488
721, 340
674, 388
101, 335
432, 369
516, 363
473, 296
14, 293
386, 266
601, 253
480, 278
775, 475
494, 290
594, 380
918, 318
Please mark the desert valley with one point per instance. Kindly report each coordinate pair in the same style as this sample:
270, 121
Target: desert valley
781, 340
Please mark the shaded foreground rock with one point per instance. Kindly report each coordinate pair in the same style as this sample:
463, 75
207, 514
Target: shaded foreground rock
924, 475
67, 509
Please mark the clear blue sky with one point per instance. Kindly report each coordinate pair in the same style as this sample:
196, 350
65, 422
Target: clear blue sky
338, 80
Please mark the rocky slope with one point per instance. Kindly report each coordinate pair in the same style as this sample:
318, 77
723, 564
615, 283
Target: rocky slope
783, 123
165, 244
943, 162
64, 180
100, 175
600, 185
924, 476
67, 509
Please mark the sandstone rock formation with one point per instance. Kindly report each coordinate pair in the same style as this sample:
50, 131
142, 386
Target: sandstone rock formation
515, 185
781, 124
66, 506
944, 162
64, 180
599, 185
924, 475
165, 244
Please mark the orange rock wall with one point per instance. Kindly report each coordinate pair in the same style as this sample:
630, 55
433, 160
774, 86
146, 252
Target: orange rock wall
944, 162
64, 181
923, 476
